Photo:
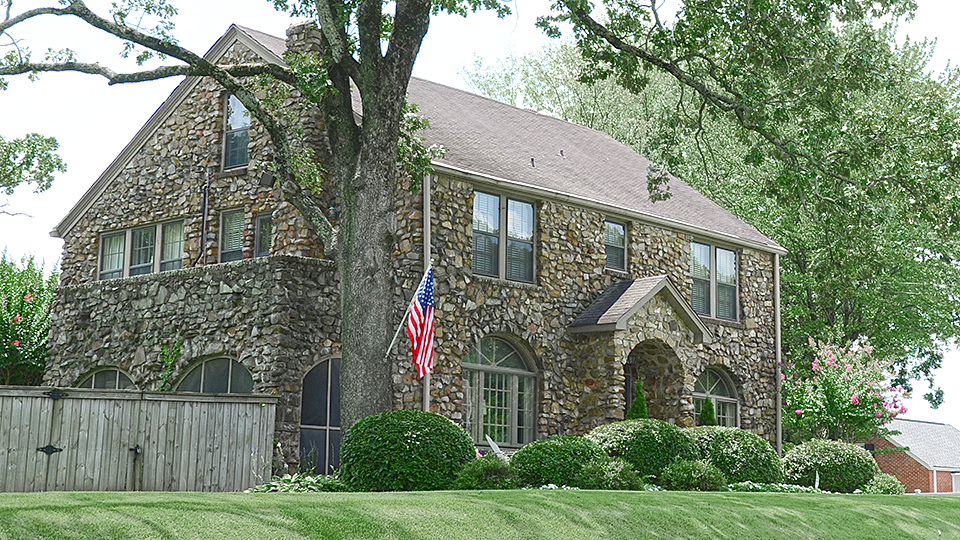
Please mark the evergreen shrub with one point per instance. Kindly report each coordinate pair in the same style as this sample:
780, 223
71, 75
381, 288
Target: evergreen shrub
612, 474
884, 484
707, 415
557, 460
648, 445
638, 409
404, 451
742, 455
696, 475
487, 472
843, 467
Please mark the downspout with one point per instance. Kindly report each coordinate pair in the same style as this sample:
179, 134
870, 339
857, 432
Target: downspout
427, 254
779, 356
203, 217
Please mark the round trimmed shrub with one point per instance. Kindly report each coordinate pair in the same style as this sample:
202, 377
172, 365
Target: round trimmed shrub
696, 475
884, 484
557, 460
843, 467
742, 455
487, 472
612, 474
404, 451
648, 445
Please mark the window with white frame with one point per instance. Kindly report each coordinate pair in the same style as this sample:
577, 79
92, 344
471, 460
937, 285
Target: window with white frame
715, 386
714, 272
143, 245
264, 235
502, 237
615, 245
231, 236
236, 133
217, 376
107, 379
499, 390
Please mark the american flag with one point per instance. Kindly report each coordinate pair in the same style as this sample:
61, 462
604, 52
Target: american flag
420, 325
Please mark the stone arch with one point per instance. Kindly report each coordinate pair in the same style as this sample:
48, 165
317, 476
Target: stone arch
664, 380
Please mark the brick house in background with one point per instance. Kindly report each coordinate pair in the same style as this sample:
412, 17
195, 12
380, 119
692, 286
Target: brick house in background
931, 461
558, 282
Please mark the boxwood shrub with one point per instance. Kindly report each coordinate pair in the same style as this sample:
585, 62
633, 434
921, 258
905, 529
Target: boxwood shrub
696, 475
488, 472
843, 467
884, 484
742, 455
557, 460
404, 451
613, 474
648, 445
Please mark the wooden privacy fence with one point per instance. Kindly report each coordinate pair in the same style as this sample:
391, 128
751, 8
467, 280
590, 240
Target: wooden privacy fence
70, 439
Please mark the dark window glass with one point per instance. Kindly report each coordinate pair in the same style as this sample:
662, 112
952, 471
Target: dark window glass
264, 235
320, 417
231, 236
216, 375
614, 239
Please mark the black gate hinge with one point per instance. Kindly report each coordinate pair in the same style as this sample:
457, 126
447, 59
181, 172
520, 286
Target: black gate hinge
56, 394
49, 449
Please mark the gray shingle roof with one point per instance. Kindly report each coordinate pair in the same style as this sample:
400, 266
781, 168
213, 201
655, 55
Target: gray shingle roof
936, 445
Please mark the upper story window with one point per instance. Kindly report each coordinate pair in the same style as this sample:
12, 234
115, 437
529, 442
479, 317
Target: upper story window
498, 393
264, 235
714, 272
217, 376
155, 248
615, 245
236, 133
714, 386
502, 237
231, 236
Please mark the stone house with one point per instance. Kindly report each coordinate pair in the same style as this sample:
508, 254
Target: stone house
929, 456
559, 284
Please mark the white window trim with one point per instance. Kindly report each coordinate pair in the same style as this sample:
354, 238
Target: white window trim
625, 246
735, 401
128, 248
475, 423
504, 238
714, 289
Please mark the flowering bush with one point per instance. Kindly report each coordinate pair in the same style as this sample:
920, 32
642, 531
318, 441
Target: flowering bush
756, 487
842, 395
25, 297
839, 466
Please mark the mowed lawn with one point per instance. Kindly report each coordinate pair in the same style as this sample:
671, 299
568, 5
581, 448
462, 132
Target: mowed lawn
477, 514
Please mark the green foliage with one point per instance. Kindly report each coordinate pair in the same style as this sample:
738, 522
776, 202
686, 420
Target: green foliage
300, 483
742, 455
615, 474
649, 445
29, 160
487, 472
842, 395
404, 450
25, 297
707, 415
884, 484
168, 360
557, 460
415, 158
842, 467
696, 475
638, 409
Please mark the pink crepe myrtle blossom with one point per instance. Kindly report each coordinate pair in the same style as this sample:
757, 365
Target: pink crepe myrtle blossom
28, 297
854, 400
17, 318
15, 343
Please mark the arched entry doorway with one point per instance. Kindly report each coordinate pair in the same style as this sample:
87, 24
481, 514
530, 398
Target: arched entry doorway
658, 366
320, 418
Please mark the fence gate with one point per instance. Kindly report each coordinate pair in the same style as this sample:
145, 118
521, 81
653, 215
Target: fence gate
70, 439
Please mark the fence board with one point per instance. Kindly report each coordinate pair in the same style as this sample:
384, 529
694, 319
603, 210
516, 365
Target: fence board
191, 442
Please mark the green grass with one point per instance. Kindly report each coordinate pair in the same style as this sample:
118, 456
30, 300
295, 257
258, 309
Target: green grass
477, 515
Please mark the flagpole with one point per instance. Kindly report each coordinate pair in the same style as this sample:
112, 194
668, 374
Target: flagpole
427, 264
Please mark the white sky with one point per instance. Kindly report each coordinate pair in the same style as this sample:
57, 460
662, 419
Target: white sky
93, 121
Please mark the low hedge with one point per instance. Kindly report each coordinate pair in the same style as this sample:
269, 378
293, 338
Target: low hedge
742, 455
557, 460
404, 451
488, 472
648, 445
696, 475
842, 467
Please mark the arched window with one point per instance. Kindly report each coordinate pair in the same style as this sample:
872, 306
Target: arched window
498, 393
320, 419
714, 385
107, 379
217, 376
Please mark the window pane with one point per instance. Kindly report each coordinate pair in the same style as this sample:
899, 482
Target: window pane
496, 407
486, 254
333, 451
141, 253
727, 301
520, 220
335, 395
313, 450
486, 213
235, 150
191, 383
505, 355
231, 236
313, 406
525, 388
237, 115
471, 404
701, 296
700, 263
216, 375
519, 261
124, 382
111, 256
105, 379
264, 235
171, 253
613, 234
241, 382
726, 267
616, 257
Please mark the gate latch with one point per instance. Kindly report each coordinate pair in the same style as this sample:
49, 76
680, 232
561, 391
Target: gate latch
49, 449
55, 394
136, 450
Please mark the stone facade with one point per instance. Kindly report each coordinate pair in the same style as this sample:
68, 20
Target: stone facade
278, 315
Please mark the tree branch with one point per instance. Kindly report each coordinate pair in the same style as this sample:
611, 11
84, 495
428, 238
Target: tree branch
163, 72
